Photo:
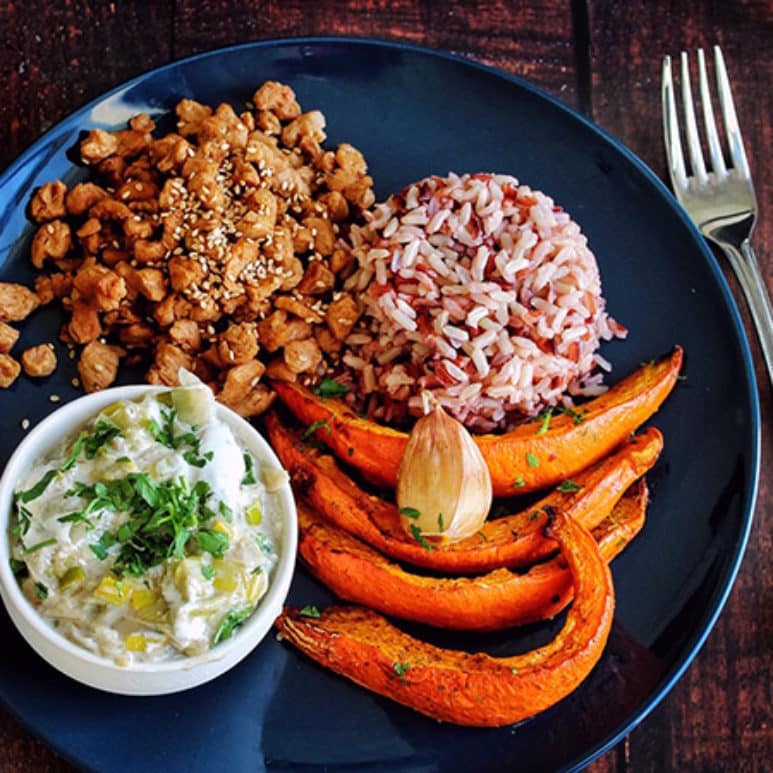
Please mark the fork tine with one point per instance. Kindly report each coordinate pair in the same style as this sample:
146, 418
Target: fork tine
734, 139
671, 128
715, 149
691, 129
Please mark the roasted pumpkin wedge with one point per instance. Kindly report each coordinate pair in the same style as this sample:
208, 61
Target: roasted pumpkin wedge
501, 599
532, 456
469, 689
514, 540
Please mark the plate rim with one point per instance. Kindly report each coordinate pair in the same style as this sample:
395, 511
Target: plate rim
695, 642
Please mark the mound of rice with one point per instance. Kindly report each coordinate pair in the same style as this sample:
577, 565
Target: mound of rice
483, 292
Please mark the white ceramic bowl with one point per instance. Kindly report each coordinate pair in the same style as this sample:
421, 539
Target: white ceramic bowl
143, 678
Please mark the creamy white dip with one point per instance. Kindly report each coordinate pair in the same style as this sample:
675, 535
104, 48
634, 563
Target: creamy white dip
150, 535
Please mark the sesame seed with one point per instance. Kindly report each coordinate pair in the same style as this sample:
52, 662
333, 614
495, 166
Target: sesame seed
25, 424
54, 398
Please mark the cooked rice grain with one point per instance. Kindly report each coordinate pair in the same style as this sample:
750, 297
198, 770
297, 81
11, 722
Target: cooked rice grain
483, 292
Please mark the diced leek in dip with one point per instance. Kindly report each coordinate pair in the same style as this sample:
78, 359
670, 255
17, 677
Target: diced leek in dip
150, 535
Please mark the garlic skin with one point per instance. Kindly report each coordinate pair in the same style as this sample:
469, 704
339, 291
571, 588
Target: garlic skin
444, 478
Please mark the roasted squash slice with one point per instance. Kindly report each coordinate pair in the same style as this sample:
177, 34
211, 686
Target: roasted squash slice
515, 540
525, 459
469, 689
501, 599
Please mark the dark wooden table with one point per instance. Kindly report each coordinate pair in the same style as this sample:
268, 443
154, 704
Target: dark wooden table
601, 56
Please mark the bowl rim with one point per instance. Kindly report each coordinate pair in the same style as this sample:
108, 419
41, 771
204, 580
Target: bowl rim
11, 593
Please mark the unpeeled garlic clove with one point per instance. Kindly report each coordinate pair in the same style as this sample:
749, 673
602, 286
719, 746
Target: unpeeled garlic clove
443, 483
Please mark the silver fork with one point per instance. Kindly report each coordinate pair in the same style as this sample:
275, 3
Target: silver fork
720, 202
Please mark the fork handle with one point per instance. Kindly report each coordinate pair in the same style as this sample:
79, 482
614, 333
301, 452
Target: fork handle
747, 269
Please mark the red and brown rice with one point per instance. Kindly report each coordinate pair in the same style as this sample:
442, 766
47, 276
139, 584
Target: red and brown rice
480, 290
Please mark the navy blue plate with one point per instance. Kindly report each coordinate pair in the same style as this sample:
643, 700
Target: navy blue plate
414, 112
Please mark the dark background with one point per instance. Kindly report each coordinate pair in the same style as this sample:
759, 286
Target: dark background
600, 56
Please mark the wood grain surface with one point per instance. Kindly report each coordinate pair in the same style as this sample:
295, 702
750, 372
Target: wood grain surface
602, 56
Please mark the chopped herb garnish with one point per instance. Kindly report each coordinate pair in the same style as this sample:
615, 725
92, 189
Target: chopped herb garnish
104, 432
545, 423
193, 458
568, 486
225, 511
249, 470
38, 488
519, 482
213, 542
419, 537
328, 387
163, 517
410, 512
577, 415
74, 453
180, 541
39, 546
230, 623
620, 542
482, 536
514, 671
310, 611
18, 567
313, 427
124, 460
533, 515
164, 434
401, 669
208, 571
440, 525
24, 521
531, 460
265, 544
41, 591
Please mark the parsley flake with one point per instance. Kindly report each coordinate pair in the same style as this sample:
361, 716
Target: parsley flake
401, 669
519, 482
578, 416
419, 537
410, 512
328, 387
19, 568
98, 550
249, 470
313, 427
568, 486
310, 611
531, 460
41, 591
39, 546
213, 542
38, 488
230, 623
545, 423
